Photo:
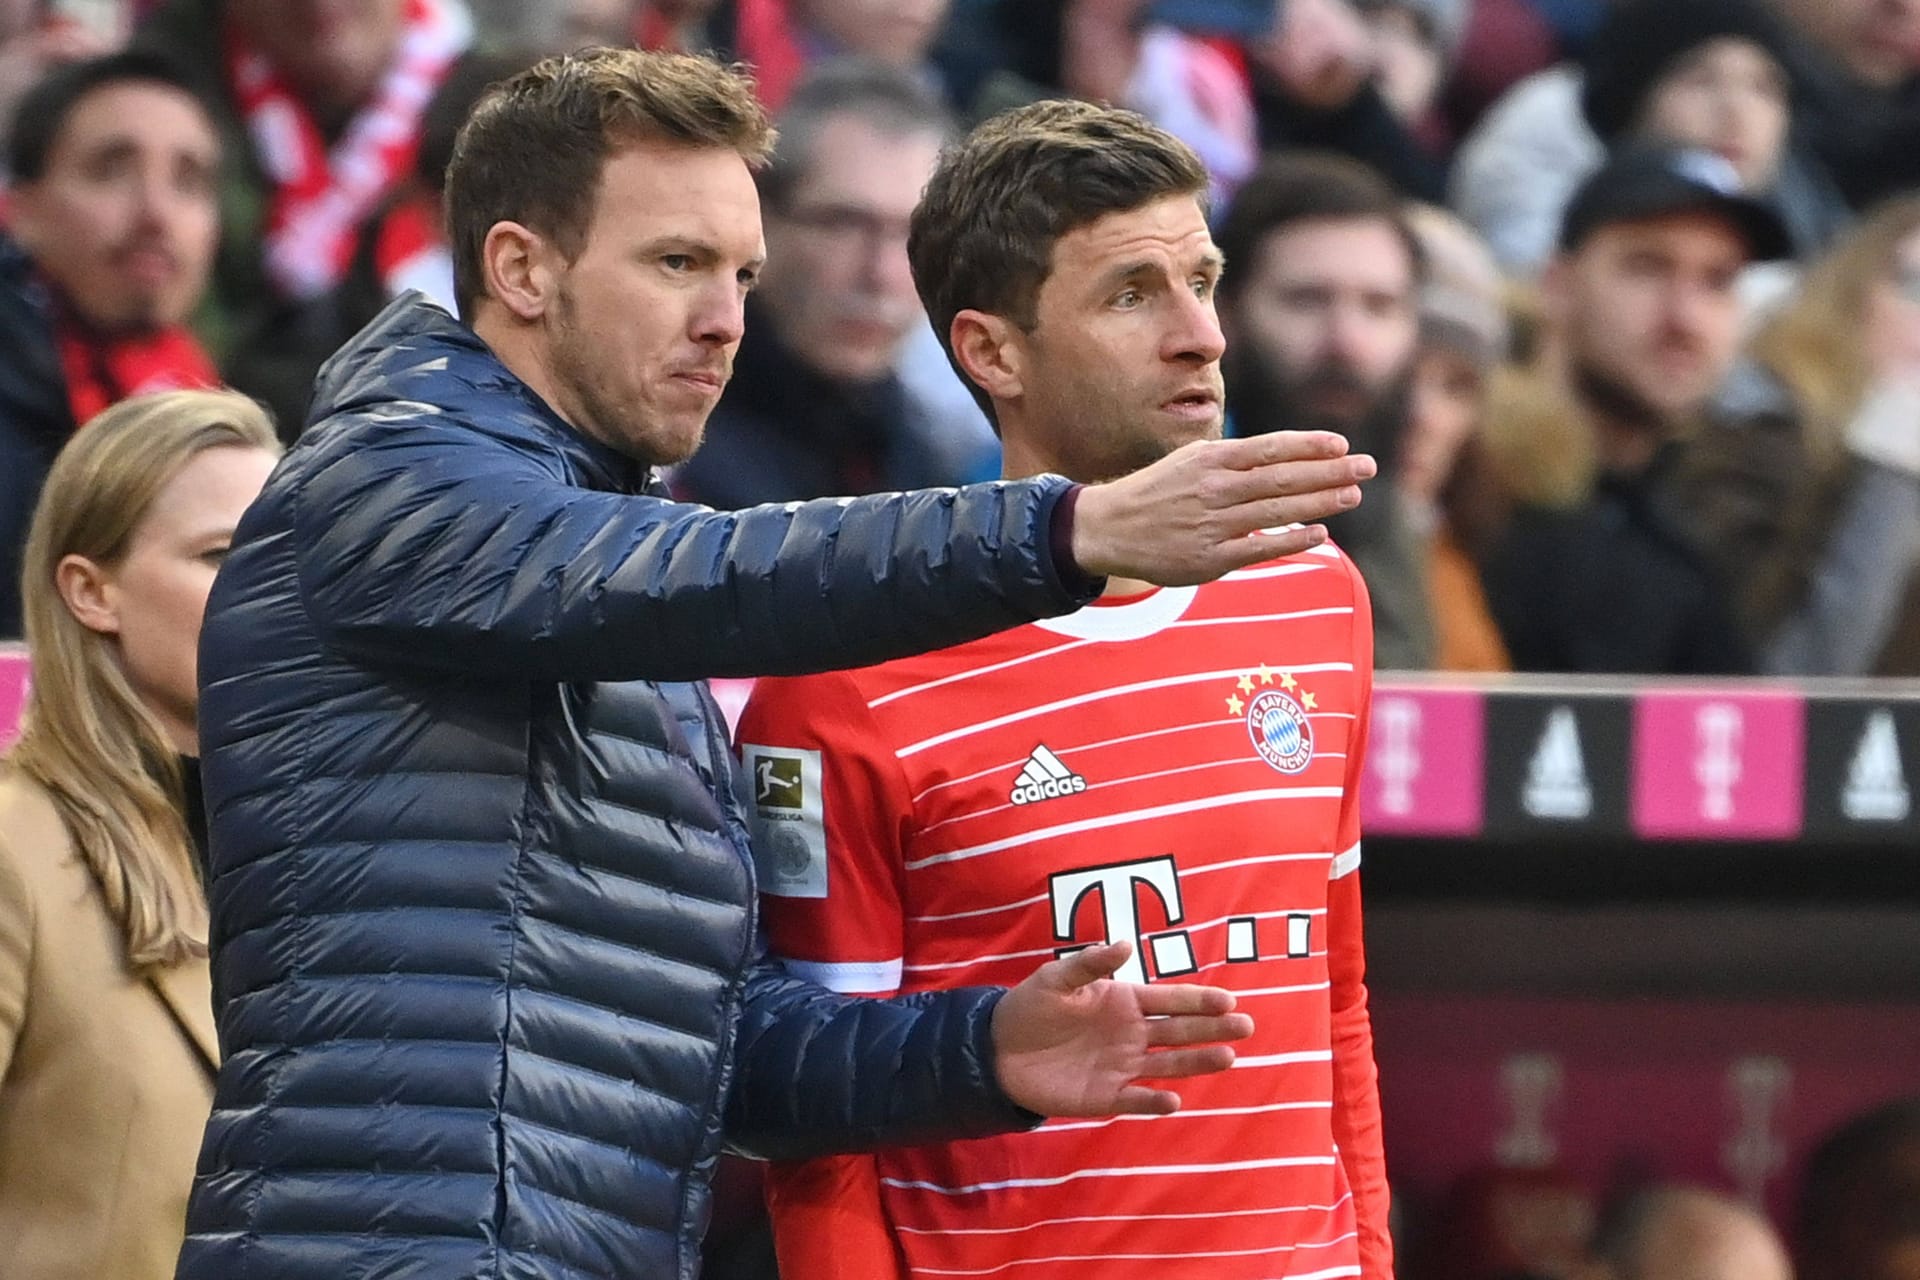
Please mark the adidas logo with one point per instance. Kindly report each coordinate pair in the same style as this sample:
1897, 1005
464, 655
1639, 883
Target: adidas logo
1044, 777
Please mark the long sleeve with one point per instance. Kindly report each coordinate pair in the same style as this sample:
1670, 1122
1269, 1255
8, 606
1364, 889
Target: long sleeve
844, 929
1858, 584
828, 1222
1356, 1078
820, 1071
416, 548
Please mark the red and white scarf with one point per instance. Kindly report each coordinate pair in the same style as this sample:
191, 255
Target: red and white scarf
321, 197
102, 371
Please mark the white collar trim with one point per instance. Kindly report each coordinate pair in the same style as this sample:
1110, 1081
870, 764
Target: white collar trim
1133, 620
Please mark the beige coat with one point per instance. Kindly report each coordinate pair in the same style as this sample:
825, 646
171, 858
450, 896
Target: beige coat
106, 1076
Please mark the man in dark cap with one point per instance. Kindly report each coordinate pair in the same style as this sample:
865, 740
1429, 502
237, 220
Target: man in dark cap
1643, 322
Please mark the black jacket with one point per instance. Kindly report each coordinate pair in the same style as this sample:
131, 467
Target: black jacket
1621, 585
36, 418
486, 968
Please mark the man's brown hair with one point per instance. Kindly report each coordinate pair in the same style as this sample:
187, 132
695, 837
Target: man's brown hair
984, 233
1293, 187
536, 144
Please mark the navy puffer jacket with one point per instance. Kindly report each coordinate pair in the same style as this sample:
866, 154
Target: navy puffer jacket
485, 958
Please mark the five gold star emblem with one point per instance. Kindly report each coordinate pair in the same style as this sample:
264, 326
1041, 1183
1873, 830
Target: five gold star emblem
1306, 700
1287, 681
1234, 705
1266, 674
1246, 684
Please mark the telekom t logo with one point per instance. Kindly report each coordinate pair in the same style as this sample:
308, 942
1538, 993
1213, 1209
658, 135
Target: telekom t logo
1117, 886
1717, 729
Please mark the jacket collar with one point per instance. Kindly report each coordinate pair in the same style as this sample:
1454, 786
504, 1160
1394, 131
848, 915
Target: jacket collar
414, 353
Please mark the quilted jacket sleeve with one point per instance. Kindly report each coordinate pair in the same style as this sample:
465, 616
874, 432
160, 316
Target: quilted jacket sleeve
818, 1073
435, 546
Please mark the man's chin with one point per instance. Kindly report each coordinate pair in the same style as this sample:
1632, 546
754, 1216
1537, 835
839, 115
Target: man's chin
136, 319
674, 445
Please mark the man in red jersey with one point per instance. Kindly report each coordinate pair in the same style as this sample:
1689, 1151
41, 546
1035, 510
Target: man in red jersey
1177, 767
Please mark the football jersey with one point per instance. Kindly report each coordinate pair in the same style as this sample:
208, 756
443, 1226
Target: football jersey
1178, 769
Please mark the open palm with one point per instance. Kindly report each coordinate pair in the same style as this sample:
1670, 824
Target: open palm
1072, 1041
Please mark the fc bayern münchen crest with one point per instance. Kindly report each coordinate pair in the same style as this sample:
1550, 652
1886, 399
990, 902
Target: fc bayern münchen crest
1280, 731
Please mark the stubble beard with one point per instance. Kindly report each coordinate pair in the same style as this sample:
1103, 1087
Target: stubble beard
600, 417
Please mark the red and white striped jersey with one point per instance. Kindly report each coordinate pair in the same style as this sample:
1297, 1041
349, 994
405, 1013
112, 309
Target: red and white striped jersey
1180, 769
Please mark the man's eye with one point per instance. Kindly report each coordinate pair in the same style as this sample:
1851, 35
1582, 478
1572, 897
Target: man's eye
677, 262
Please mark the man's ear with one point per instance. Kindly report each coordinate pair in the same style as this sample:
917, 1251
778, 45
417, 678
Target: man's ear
992, 351
520, 267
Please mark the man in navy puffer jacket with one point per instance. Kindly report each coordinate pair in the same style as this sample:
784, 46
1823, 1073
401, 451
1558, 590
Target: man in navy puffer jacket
486, 966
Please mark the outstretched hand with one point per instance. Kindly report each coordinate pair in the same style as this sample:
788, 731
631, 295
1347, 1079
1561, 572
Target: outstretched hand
1072, 1041
1213, 506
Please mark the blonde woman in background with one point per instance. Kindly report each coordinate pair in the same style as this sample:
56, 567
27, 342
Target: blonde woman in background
1806, 483
1444, 471
107, 1050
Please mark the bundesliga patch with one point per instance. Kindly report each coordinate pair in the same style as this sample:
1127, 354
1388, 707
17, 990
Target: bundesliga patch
789, 827
1276, 710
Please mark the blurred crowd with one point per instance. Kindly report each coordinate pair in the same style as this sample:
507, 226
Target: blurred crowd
1624, 295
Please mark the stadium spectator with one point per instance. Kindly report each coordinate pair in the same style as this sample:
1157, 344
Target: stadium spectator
1683, 1233
1322, 318
1860, 76
781, 38
1643, 325
320, 107
1713, 74
1310, 80
1193, 86
1443, 470
107, 1047
1859, 1209
815, 406
1504, 42
1317, 86
113, 230
1497, 1223
403, 244
32, 43
565, 25
1414, 44
1065, 248
1806, 483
